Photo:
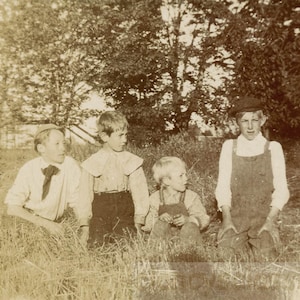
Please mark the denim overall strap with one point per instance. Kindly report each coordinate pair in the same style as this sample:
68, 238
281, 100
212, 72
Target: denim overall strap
172, 209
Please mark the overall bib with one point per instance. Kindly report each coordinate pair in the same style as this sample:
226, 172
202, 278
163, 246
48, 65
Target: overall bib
163, 230
251, 187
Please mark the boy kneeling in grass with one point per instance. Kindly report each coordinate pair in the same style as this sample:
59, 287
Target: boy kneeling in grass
45, 186
175, 211
252, 186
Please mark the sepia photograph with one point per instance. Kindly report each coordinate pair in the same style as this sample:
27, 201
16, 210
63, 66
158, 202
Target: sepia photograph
149, 149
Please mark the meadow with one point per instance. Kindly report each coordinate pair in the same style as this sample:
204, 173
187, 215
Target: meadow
35, 265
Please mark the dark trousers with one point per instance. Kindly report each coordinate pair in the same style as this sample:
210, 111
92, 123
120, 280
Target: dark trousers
113, 216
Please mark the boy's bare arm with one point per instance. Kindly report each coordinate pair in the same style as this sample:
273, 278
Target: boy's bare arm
19, 211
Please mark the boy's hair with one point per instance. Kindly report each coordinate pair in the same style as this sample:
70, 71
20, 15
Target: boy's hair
164, 167
111, 121
42, 134
240, 114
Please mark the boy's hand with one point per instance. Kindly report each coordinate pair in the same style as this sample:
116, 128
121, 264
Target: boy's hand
270, 227
166, 218
138, 228
179, 220
84, 235
226, 226
53, 227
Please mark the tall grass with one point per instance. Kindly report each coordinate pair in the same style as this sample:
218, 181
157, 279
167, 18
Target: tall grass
35, 265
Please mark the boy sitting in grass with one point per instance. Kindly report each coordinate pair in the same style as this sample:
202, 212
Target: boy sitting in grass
45, 186
252, 186
175, 211
113, 186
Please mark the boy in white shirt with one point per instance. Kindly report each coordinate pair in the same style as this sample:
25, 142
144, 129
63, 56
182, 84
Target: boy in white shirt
252, 185
45, 186
113, 188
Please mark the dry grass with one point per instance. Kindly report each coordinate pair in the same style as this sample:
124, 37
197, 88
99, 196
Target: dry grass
35, 265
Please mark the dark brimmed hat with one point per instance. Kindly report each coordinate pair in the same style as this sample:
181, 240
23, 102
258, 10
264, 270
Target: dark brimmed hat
245, 104
45, 127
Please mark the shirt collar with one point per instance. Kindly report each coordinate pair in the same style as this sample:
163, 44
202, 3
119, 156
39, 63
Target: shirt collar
45, 164
258, 138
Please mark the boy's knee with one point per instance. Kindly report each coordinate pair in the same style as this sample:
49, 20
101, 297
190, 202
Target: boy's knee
232, 240
190, 231
160, 229
264, 242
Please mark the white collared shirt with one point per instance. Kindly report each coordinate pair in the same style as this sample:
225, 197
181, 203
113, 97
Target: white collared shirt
26, 190
248, 148
108, 171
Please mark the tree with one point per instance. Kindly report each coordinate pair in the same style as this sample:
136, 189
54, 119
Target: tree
262, 38
46, 66
153, 67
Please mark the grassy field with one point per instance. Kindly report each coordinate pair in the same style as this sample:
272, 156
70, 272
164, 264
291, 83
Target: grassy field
35, 265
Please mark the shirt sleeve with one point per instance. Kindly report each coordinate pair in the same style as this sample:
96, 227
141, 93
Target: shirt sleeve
152, 215
140, 195
281, 193
197, 211
20, 190
223, 191
74, 170
85, 199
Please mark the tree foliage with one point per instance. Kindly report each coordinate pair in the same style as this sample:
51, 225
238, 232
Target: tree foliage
44, 61
263, 41
149, 58
153, 59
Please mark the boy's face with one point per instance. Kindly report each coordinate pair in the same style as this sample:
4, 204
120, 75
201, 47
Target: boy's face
177, 180
116, 141
250, 124
53, 150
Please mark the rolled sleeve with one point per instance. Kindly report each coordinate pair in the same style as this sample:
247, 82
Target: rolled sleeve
75, 172
85, 199
140, 195
20, 190
223, 190
152, 215
197, 211
281, 192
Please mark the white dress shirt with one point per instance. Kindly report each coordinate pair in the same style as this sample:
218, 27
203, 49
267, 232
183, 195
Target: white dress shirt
26, 190
246, 148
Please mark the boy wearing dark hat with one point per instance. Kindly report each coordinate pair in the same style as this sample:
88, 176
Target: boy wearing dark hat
45, 186
252, 186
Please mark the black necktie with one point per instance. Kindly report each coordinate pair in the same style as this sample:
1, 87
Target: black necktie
48, 172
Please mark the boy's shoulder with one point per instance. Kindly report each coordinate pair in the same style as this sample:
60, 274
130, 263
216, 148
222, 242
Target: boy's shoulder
31, 163
70, 161
100, 154
96, 162
228, 143
155, 194
189, 194
275, 144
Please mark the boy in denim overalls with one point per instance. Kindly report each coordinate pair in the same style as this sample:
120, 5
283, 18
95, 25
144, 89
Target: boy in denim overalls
175, 211
252, 186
